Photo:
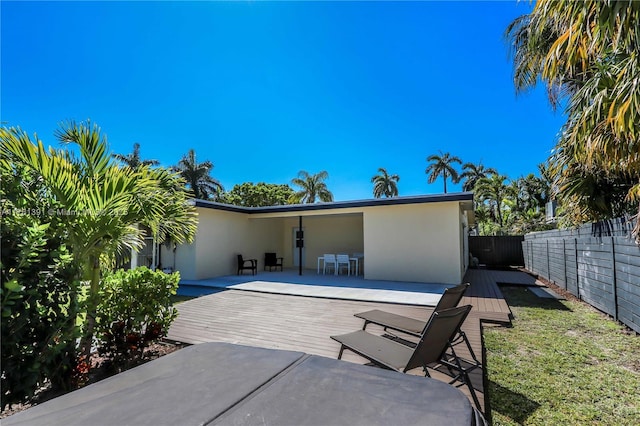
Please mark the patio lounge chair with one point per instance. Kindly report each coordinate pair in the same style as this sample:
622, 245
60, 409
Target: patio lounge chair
414, 327
244, 264
272, 261
434, 348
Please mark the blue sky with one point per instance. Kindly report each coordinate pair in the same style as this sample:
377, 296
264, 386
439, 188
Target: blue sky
265, 89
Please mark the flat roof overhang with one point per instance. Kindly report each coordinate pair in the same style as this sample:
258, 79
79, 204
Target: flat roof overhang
464, 198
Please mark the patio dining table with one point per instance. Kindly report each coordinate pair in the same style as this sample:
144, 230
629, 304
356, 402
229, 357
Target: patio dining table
227, 384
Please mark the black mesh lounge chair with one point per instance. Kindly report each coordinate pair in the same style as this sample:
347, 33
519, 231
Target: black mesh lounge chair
271, 261
244, 264
414, 327
433, 349
411, 326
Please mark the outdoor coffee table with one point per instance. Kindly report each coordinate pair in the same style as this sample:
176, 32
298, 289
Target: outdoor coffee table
221, 384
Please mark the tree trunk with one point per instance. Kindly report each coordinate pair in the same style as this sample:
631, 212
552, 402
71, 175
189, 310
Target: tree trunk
92, 303
499, 213
444, 176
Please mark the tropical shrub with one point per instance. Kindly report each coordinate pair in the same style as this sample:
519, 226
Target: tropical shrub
37, 293
261, 194
135, 309
105, 206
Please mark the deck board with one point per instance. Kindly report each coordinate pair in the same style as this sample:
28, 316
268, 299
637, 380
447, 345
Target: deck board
300, 323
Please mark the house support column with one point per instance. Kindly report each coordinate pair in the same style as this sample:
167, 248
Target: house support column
300, 244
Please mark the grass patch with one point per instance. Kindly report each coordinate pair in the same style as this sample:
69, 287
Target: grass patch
562, 362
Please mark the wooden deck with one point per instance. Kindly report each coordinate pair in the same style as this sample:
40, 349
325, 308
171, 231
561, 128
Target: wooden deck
305, 323
485, 295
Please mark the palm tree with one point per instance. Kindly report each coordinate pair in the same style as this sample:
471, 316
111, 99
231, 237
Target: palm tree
473, 173
484, 219
385, 185
532, 191
442, 165
494, 191
198, 177
312, 187
133, 159
586, 52
103, 203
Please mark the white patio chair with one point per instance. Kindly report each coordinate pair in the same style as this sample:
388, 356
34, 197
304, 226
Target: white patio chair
342, 260
359, 262
330, 261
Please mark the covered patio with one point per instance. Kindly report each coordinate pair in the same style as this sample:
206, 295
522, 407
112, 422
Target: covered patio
413, 239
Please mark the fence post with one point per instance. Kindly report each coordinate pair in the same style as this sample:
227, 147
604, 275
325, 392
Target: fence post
615, 279
531, 254
564, 257
548, 262
575, 246
532, 269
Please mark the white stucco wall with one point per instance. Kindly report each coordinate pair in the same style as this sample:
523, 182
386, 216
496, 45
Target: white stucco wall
220, 237
265, 235
413, 242
464, 242
183, 259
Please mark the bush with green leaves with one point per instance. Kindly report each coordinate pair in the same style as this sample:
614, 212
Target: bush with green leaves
37, 293
135, 309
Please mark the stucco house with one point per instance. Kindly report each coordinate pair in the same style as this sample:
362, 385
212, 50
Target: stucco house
416, 238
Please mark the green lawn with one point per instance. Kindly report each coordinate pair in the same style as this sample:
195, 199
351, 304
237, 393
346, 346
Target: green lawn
562, 363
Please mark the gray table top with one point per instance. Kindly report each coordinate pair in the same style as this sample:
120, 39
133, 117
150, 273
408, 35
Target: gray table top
221, 383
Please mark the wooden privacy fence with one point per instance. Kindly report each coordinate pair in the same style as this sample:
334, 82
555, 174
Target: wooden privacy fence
599, 263
497, 250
